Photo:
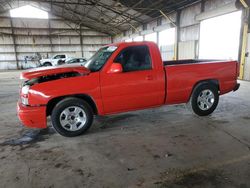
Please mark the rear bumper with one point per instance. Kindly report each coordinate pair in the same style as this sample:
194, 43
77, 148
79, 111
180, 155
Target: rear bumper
34, 117
237, 86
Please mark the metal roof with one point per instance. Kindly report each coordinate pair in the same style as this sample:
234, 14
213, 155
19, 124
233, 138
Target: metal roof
107, 16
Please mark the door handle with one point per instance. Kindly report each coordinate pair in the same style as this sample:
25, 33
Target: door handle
149, 77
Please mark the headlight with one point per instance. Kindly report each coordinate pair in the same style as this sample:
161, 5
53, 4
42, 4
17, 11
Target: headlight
25, 101
24, 94
25, 90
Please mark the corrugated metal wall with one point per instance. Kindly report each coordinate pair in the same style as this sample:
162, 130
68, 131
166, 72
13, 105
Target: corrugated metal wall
46, 37
189, 28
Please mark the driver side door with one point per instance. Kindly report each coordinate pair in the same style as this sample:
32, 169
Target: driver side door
136, 87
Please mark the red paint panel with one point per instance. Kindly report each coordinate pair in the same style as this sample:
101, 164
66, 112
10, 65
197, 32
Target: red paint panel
182, 78
34, 117
136, 89
89, 85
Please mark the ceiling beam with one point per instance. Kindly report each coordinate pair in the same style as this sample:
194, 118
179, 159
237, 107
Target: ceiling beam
81, 17
141, 13
126, 10
116, 11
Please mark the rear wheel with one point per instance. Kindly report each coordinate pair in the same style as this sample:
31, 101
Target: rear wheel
72, 117
204, 99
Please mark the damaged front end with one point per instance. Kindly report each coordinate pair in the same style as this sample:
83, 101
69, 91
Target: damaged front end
47, 78
41, 75
30, 110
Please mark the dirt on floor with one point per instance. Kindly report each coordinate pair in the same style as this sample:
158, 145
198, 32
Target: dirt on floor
168, 147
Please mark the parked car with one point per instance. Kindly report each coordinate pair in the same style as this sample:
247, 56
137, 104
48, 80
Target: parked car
119, 78
71, 60
53, 61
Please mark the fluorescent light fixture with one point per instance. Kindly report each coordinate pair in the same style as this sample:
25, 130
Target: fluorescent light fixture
28, 11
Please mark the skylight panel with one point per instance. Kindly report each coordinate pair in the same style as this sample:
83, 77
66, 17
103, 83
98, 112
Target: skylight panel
28, 11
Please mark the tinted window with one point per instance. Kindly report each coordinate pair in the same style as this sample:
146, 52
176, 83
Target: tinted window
59, 56
134, 58
71, 61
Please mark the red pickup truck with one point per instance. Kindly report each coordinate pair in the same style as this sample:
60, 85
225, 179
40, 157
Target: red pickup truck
119, 78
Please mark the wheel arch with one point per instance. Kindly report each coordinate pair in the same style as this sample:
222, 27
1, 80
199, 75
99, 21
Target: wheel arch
207, 81
51, 103
47, 62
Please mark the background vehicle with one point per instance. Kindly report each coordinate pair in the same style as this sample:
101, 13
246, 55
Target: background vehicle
118, 78
71, 60
53, 61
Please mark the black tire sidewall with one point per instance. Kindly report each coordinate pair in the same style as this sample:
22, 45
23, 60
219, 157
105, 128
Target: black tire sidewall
55, 116
198, 89
47, 64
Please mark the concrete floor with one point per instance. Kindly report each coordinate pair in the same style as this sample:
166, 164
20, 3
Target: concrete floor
166, 147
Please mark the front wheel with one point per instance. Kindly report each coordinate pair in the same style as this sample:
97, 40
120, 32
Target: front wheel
204, 99
72, 117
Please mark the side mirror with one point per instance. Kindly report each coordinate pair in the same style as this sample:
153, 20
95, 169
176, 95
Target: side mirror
115, 68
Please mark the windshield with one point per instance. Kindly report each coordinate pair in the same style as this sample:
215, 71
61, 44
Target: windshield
97, 61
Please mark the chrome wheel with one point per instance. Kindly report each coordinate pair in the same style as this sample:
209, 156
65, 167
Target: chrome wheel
73, 118
206, 99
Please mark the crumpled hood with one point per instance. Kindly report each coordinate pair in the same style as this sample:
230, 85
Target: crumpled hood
46, 71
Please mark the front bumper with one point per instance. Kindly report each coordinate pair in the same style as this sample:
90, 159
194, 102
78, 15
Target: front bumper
34, 117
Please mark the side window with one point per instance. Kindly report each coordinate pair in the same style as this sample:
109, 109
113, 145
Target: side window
62, 56
134, 58
72, 61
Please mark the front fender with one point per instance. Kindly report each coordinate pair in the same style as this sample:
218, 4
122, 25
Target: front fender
41, 94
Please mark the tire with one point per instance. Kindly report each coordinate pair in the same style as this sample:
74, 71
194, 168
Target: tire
72, 117
204, 99
47, 64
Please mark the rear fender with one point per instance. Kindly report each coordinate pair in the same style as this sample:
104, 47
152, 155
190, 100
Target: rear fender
212, 81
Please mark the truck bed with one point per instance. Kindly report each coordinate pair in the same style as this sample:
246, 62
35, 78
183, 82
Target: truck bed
189, 61
182, 77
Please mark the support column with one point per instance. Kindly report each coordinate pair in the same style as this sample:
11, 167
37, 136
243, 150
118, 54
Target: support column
14, 44
197, 43
177, 35
81, 43
50, 40
243, 41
